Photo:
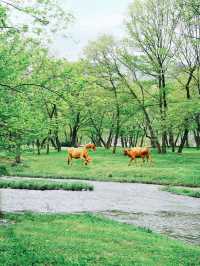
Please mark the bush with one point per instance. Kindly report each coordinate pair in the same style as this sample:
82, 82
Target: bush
3, 170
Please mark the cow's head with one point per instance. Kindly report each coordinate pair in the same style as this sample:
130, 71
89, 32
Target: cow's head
126, 152
93, 147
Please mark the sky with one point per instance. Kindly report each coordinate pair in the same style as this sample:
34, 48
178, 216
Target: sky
92, 18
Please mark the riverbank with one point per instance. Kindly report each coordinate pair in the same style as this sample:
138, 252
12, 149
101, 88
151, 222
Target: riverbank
86, 240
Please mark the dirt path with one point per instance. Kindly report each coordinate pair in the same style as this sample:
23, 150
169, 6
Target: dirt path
139, 204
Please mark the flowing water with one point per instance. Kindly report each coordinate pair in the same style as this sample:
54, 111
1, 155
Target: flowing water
139, 204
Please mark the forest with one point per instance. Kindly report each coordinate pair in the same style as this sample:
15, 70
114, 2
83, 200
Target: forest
140, 90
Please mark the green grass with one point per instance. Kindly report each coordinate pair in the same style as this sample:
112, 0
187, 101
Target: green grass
40, 239
44, 185
169, 169
183, 191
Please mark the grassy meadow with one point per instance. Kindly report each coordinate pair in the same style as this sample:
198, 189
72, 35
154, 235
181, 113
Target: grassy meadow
39, 239
169, 169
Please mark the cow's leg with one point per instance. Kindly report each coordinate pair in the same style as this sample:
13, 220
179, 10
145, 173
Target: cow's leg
86, 161
150, 159
130, 161
143, 159
69, 159
135, 161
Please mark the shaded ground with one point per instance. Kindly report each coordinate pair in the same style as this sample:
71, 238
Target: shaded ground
139, 204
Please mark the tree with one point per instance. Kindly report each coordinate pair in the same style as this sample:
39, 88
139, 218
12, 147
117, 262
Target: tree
46, 17
100, 55
151, 26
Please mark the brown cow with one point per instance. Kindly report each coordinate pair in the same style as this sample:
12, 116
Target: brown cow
77, 153
90, 146
138, 152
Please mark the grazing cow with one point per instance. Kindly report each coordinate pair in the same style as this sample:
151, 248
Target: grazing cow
77, 153
90, 146
138, 152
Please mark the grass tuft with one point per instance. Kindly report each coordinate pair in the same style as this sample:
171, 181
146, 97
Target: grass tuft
183, 191
44, 185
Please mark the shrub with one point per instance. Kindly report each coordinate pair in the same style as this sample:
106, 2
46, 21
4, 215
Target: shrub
3, 170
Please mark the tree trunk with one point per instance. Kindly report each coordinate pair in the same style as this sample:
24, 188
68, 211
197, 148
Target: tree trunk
177, 138
74, 137
38, 146
183, 140
47, 150
122, 142
33, 147
163, 112
142, 141
187, 142
53, 143
171, 141
74, 131
197, 139
109, 140
164, 139
58, 144
48, 142
125, 142
154, 140
136, 139
115, 141
96, 140
133, 140
187, 85
18, 154
116, 134
197, 135
117, 118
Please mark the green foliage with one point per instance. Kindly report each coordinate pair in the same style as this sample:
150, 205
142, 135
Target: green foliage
113, 94
3, 170
45, 18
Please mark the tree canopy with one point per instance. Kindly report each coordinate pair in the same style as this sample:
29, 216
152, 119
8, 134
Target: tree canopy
141, 90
